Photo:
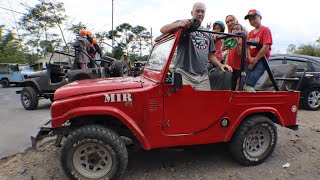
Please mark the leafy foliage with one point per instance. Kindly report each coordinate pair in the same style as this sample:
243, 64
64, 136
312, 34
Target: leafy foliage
9, 49
311, 49
38, 35
38, 24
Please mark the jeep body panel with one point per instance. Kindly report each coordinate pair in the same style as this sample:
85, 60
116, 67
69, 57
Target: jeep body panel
159, 119
96, 85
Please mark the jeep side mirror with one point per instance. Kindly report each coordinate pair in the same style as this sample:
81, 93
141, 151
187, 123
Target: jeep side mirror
177, 82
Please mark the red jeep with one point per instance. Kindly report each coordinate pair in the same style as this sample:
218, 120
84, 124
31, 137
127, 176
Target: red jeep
155, 110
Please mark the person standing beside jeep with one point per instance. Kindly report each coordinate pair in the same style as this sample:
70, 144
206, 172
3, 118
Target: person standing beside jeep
194, 51
262, 35
84, 46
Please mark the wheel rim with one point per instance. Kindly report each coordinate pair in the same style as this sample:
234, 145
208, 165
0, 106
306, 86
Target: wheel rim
26, 99
314, 99
257, 141
92, 160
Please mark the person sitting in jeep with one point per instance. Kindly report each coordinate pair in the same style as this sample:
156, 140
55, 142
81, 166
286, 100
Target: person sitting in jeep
194, 51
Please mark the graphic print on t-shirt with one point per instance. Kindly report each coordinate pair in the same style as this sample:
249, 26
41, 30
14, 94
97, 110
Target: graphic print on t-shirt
256, 39
199, 39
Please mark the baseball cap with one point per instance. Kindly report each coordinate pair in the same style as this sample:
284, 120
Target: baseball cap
252, 12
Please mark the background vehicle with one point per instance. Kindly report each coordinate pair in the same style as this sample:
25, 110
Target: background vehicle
13, 73
137, 67
60, 70
156, 110
309, 67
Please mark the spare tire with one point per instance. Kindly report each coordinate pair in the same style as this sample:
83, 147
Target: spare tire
120, 69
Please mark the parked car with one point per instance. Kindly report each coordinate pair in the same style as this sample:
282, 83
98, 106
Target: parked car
13, 73
310, 85
137, 68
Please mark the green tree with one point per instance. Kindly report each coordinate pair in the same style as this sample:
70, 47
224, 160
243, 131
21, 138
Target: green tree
311, 49
39, 22
9, 49
124, 32
75, 28
308, 49
141, 39
291, 49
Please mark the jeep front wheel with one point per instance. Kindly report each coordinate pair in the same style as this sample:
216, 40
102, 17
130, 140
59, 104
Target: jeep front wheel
29, 98
94, 152
254, 141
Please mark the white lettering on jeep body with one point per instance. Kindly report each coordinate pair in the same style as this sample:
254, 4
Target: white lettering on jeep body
118, 97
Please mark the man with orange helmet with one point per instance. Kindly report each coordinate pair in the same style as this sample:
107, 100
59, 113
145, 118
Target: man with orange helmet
97, 48
82, 45
90, 39
91, 50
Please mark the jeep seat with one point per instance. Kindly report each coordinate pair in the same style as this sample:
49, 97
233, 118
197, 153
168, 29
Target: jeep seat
284, 72
56, 73
220, 80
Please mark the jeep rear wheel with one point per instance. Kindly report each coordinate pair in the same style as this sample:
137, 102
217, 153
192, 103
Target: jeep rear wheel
5, 83
311, 100
94, 152
254, 141
29, 98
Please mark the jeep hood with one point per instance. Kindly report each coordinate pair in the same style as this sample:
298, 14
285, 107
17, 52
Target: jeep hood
97, 85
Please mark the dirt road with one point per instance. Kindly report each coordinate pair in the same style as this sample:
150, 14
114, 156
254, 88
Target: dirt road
301, 149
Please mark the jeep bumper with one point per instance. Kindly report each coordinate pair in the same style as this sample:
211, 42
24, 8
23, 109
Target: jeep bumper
46, 131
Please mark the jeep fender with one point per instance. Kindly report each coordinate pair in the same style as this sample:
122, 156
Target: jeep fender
98, 110
248, 112
30, 82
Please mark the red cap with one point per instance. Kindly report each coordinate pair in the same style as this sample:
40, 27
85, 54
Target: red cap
252, 12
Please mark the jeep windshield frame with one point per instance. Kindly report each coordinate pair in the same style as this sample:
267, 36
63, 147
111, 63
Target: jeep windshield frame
161, 56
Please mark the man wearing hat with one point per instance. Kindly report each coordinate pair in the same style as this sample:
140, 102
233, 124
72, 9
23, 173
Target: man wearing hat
262, 35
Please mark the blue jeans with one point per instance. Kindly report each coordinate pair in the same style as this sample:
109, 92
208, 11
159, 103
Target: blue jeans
252, 76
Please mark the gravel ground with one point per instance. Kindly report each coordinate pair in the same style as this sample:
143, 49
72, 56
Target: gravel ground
301, 149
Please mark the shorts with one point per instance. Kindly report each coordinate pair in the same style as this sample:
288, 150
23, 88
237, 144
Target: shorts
198, 82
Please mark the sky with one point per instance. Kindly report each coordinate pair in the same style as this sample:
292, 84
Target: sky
290, 21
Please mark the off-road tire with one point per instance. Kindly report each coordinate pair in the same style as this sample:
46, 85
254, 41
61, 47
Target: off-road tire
82, 140
5, 83
29, 98
120, 69
311, 100
254, 140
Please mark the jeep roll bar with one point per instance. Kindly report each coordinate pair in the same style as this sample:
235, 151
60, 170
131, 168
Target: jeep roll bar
266, 65
195, 24
243, 36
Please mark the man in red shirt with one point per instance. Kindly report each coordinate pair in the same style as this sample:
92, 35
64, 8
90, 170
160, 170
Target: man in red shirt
262, 35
